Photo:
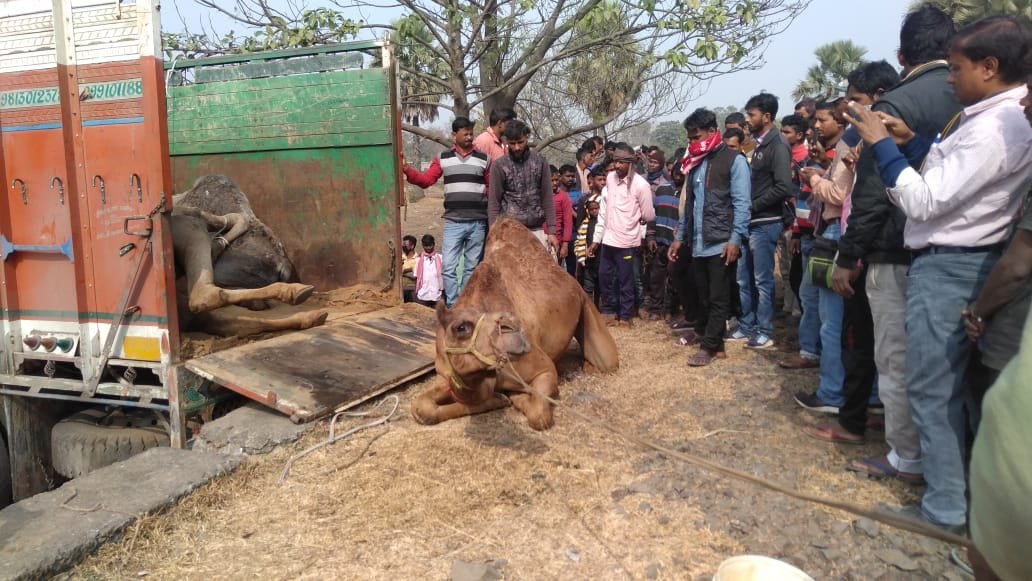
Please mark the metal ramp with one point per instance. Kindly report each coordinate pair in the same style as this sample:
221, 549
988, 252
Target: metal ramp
309, 374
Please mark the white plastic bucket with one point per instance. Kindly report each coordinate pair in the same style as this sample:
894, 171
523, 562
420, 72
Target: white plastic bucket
758, 568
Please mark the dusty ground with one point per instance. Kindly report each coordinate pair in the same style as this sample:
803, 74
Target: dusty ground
403, 501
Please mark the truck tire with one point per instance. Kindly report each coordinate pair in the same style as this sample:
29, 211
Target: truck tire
6, 483
93, 438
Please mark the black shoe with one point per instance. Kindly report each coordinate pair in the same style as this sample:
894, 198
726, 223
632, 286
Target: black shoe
811, 402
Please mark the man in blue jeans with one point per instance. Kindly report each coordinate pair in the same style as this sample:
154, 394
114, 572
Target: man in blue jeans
959, 210
771, 187
465, 204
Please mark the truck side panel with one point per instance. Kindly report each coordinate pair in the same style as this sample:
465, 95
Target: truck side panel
84, 165
314, 150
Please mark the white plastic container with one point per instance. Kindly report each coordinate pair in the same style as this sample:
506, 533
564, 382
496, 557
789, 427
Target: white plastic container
758, 568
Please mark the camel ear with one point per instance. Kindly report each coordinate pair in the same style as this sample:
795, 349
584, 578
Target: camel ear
442, 313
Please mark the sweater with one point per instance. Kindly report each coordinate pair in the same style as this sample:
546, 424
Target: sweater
465, 183
625, 203
771, 178
666, 202
563, 217
522, 190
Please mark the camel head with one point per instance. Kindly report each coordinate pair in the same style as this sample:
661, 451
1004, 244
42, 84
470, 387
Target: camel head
472, 346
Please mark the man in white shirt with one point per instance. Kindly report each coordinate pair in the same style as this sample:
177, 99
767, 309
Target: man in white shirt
959, 208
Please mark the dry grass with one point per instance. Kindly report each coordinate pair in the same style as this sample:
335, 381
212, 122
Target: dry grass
406, 501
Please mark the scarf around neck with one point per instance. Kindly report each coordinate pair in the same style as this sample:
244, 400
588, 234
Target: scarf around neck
697, 152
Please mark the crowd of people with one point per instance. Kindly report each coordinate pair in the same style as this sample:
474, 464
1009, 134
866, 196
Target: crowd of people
897, 209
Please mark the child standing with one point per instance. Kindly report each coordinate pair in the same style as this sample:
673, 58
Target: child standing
429, 273
587, 266
563, 217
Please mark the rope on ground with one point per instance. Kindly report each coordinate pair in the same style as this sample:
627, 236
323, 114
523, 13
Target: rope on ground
333, 438
892, 520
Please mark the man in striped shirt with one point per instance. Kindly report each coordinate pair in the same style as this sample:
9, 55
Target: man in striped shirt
465, 171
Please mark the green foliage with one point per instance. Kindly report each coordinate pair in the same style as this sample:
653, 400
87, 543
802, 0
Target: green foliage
835, 61
604, 81
722, 113
965, 12
312, 27
668, 135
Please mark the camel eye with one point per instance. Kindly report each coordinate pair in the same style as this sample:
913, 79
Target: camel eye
463, 328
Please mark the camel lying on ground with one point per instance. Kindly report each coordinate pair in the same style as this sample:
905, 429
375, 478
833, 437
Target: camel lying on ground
516, 315
244, 264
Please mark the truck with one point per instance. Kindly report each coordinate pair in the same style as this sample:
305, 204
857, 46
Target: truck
97, 132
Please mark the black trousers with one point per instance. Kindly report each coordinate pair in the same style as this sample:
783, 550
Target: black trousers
588, 274
657, 272
683, 280
713, 287
735, 309
857, 358
795, 276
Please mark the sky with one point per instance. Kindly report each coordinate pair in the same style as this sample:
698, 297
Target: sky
872, 24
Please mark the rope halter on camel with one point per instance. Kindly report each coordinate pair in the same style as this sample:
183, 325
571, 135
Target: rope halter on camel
492, 363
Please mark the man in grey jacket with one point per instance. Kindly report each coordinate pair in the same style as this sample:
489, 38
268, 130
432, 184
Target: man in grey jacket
521, 186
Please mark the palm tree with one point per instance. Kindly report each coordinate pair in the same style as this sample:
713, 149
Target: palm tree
420, 97
965, 12
835, 61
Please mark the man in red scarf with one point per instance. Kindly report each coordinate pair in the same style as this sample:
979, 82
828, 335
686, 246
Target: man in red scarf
715, 222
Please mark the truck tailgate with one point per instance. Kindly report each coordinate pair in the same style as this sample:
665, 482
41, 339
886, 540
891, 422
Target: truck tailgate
309, 374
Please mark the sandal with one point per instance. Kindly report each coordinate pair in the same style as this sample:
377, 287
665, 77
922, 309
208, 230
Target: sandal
832, 432
959, 558
683, 325
880, 468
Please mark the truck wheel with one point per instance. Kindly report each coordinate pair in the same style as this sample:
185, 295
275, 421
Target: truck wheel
6, 486
94, 438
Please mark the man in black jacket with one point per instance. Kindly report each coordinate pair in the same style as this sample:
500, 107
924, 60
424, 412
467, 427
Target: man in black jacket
874, 233
771, 187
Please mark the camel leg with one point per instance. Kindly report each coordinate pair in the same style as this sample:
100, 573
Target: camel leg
600, 354
193, 250
537, 409
230, 322
285, 292
437, 405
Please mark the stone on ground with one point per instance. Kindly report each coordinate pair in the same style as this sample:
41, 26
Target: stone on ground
51, 532
251, 429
